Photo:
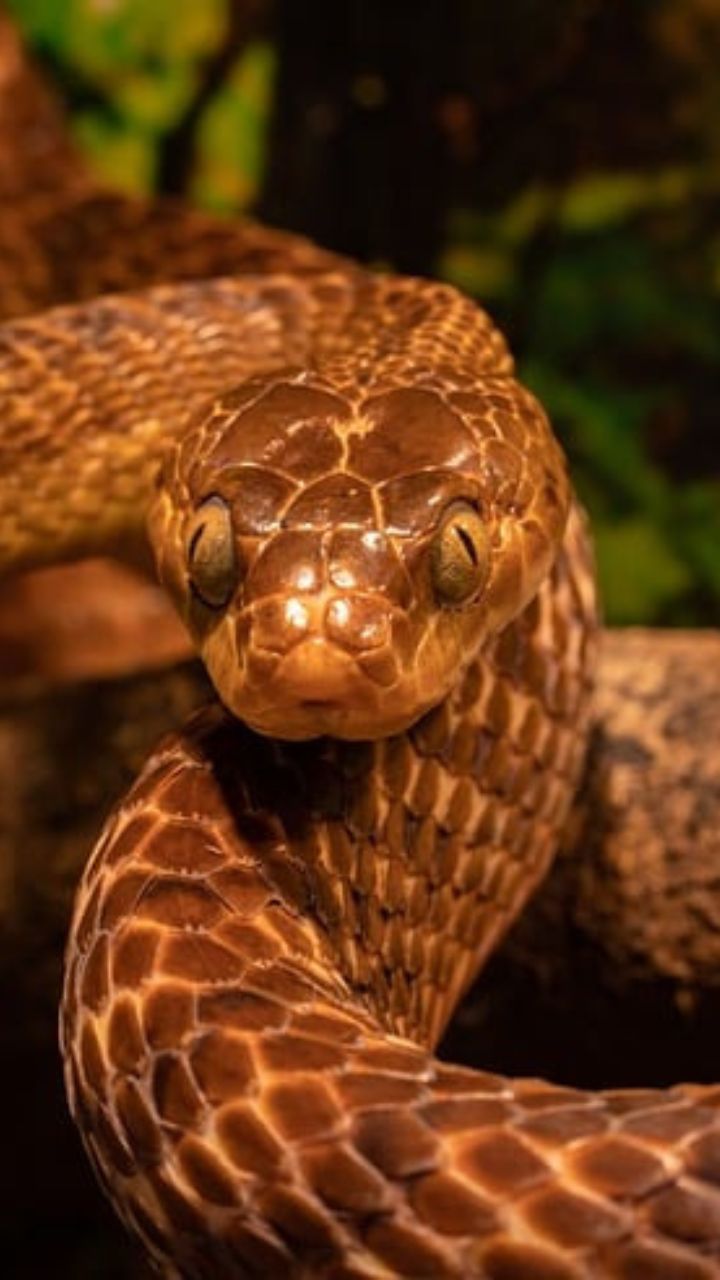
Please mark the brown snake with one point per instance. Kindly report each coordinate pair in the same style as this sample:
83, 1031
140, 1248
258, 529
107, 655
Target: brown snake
367, 526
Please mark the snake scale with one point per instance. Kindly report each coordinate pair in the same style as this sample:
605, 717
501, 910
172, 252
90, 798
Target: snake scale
367, 525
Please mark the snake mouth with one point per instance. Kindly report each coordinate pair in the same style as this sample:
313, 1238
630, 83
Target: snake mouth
317, 674
315, 690
306, 720
364, 714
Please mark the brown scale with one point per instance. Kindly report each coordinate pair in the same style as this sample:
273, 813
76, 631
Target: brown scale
270, 938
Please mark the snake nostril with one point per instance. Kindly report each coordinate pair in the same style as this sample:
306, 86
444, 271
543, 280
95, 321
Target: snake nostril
296, 617
356, 624
276, 625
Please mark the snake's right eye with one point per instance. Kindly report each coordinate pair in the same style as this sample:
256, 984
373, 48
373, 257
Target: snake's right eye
460, 555
211, 557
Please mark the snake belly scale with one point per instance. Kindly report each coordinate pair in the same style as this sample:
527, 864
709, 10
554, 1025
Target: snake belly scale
367, 526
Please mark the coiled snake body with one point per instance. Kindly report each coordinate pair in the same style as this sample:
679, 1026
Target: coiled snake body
367, 526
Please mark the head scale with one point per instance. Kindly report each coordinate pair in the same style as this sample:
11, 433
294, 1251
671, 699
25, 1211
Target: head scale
340, 559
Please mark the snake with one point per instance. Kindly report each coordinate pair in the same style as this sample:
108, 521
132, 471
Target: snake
368, 528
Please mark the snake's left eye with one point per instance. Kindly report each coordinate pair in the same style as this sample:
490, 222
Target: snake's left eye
460, 555
212, 562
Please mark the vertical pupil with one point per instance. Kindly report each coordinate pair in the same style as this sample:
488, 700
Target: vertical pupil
195, 539
467, 543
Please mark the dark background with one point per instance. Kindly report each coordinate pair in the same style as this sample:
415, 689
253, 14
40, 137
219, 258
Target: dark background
558, 160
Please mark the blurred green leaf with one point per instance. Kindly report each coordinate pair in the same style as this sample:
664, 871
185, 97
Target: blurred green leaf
123, 158
232, 133
140, 59
599, 426
599, 200
640, 574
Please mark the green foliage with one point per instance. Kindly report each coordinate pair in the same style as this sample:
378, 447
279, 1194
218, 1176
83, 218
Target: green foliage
617, 305
132, 67
228, 176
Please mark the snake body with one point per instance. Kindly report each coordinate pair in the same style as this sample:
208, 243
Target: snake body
367, 526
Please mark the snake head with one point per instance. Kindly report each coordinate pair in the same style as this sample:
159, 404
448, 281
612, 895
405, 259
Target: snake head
340, 560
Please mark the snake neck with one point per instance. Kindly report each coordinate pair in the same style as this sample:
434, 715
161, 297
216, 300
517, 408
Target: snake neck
416, 852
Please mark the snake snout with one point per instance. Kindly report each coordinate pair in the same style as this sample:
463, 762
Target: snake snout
357, 623
332, 672
316, 672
